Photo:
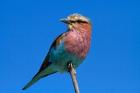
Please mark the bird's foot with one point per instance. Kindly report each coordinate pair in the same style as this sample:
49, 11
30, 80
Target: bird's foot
71, 68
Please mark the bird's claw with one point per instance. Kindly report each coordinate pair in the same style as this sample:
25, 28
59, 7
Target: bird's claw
70, 67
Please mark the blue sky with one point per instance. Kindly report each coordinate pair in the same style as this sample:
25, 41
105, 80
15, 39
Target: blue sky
27, 29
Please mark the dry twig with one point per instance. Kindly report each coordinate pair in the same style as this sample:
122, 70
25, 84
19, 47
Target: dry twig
73, 76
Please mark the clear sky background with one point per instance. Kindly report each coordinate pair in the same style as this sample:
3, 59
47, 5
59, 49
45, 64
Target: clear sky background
27, 29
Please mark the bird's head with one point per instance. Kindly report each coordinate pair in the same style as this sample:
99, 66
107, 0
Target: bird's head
76, 20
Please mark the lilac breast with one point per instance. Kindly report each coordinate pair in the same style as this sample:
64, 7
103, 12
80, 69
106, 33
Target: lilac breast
77, 43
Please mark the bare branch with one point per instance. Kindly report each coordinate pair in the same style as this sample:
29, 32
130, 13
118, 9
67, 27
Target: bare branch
73, 76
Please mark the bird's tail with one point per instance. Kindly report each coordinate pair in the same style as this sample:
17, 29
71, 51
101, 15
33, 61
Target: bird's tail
38, 76
34, 79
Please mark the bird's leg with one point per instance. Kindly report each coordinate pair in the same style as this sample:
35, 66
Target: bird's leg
70, 66
73, 76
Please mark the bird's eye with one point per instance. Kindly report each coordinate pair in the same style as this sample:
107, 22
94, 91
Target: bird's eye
81, 21
72, 21
77, 21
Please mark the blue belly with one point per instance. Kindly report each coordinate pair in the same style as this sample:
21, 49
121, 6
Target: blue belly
60, 58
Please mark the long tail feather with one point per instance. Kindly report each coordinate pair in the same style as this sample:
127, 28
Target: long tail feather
34, 79
39, 75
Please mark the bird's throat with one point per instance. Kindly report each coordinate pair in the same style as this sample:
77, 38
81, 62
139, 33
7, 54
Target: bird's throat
70, 26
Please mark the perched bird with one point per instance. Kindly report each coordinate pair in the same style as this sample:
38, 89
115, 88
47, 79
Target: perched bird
69, 47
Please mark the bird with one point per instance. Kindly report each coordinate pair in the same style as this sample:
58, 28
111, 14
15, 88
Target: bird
71, 46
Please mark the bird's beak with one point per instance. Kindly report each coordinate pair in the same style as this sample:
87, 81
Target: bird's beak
65, 20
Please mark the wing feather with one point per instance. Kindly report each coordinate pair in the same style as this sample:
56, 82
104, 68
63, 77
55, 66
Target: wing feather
56, 42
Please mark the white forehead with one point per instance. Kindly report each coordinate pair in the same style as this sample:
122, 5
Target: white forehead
76, 17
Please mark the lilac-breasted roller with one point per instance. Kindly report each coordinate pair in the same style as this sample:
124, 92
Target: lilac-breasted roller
69, 47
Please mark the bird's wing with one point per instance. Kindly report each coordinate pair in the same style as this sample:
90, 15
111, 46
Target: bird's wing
56, 42
45, 69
